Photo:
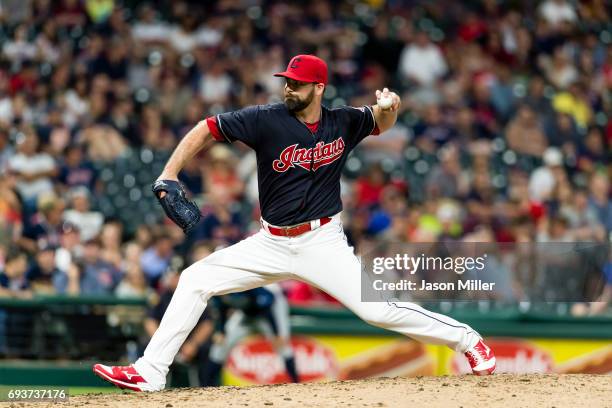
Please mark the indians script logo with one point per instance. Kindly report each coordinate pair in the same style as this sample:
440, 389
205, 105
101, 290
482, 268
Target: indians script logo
324, 154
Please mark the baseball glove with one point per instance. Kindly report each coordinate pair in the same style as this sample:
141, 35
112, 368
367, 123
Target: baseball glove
181, 211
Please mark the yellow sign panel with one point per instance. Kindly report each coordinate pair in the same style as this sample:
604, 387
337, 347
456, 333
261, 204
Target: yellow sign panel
325, 357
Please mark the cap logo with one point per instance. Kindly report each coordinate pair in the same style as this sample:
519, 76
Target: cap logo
294, 63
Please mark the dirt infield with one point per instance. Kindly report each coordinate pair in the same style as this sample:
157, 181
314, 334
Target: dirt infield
430, 392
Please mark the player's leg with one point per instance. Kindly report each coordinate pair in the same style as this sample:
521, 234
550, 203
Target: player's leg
280, 314
326, 261
235, 329
250, 263
275, 325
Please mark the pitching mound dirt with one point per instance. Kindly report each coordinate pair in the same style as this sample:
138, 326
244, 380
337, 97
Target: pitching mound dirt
590, 391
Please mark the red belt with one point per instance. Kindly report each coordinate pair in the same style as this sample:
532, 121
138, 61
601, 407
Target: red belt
295, 230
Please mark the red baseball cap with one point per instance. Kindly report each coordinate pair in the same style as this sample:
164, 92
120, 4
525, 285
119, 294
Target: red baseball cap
306, 68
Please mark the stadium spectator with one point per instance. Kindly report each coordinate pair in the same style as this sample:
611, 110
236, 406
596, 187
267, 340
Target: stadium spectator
543, 180
33, 168
599, 199
369, 187
45, 226
592, 154
382, 47
155, 260
174, 97
133, 283
432, 131
446, 179
392, 207
603, 301
69, 13
21, 85
90, 275
43, 275
143, 236
132, 251
80, 214
554, 229
148, 28
480, 200
11, 225
103, 142
76, 170
99, 11
215, 85
192, 177
574, 102
6, 150
502, 92
70, 248
422, 62
582, 218
535, 96
559, 69
48, 44
222, 220
495, 269
134, 278
13, 279
19, 48
561, 132
220, 173
76, 108
466, 127
558, 12
111, 236
153, 132
525, 134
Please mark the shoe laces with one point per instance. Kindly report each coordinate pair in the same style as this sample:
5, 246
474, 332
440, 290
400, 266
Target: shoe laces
476, 354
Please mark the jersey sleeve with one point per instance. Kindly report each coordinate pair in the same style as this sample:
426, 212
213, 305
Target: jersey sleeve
238, 125
361, 123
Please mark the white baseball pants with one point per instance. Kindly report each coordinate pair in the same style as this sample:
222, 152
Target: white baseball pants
321, 258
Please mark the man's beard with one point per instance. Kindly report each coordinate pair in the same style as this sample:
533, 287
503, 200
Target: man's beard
294, 104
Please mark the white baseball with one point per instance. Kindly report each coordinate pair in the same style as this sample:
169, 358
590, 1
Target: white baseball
385, 102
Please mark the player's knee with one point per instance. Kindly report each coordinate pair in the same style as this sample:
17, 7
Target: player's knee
188, 276
372, 317
193, 279
368, 318
205, 281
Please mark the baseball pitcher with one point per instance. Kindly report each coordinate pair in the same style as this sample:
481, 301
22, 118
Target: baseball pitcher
301, 148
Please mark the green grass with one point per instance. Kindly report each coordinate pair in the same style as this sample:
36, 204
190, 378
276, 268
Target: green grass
4, 389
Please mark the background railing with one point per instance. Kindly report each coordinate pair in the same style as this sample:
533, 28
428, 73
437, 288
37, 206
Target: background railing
107, 328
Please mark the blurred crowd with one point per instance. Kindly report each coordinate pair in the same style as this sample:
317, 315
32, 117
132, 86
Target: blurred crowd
503, 136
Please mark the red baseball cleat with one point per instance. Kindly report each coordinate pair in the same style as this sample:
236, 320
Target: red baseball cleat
125, 377
481, 358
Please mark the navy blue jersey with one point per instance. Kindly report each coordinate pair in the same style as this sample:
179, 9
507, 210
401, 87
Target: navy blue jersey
298, 171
